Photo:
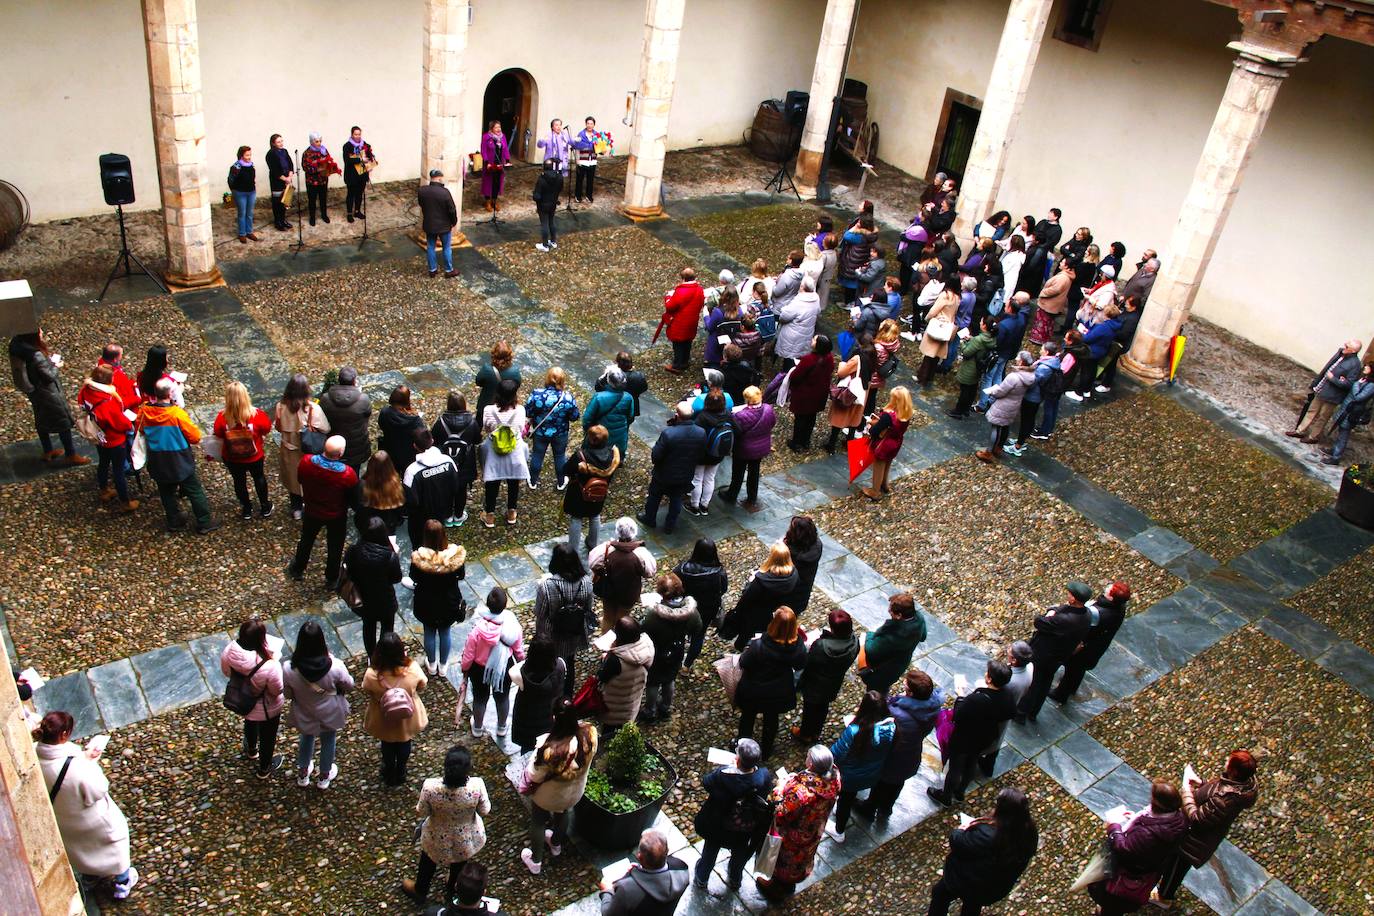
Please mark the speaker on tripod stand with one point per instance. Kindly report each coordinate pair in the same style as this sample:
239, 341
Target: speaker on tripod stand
117, 181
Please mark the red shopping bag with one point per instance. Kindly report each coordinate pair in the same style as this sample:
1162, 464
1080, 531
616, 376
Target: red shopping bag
860, 457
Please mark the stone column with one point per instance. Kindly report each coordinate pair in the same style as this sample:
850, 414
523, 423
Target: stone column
173, 43
657, 76
34, 870
445, 80
825, 87
1259, 69
1006, 93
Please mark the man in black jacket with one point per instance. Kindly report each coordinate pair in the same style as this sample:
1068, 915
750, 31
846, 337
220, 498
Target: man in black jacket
432, 485
347, 409
1058, 632
547, 189
1048, 230
438, 216
977, 718
1105, 616
679, 449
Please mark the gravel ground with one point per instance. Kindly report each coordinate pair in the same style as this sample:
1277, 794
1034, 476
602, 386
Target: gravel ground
1312, 735
1224, 495
374, 317
897, 877
595, 281
80, 334
1342, 600
1000, 549
199, 817
761, 232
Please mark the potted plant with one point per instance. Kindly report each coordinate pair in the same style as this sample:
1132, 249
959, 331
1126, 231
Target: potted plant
626, 789
1355, 501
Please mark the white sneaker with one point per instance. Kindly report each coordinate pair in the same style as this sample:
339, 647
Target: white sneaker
502, 730
563, 484
431, 668
328, 780
1073, 395
408, 582
479, 732
540, 246
122, 889
553, 244
835, 835
304, 781
554, 848
1101, 389
443, 669
907, 335
528, 858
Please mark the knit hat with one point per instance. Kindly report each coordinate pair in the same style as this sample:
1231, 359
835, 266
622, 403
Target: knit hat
1080, 590
1109, 271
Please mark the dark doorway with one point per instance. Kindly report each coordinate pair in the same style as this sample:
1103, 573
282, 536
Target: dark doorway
510, 99
961, 122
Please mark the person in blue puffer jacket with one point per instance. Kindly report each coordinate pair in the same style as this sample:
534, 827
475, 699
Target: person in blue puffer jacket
1098, 339
914, 716
550, 411
861, 752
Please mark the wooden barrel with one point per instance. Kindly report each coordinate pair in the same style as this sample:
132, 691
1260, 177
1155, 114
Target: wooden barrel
771, 138
14, 213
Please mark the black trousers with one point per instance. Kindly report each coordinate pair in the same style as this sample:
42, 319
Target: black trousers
548, 227
1028, 413
959, 774
261, 737
490, 489
941, 896
882, 797
1087, 375
843, 805
803, 424
334, 531
1171, 879
739, 467
770, 728
317, 194
1045, 667
424, 875
373, 627
682, 354
353, 201
395, 755
1108, 377
586, 175
240, 474
967, 394
813, 718
1074, 672
278, 210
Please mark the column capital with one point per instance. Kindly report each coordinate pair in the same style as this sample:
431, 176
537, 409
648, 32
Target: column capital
1272, 41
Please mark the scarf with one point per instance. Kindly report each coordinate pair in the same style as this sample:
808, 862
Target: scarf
328, 464
359, 147
320, 148
243, 165
495, 673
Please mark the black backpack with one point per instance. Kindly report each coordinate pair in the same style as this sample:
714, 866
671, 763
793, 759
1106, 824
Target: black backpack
749, 813
454, 445
239, 696
983, 360
1053, 386
569, 618
720, 441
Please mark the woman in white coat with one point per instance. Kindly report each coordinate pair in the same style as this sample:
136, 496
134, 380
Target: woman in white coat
93, 829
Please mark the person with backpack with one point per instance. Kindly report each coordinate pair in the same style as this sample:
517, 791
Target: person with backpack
754, 422
861, 752
613, 407
828, 660
432, 486
677, 453
767, 687
395, 713
317, 684
539, 682
563, 614
592, 468
555, 780
383, 494
169, 433
723, 321
551, 409
505, 456
296, 417
977, 354
374, 568
619, 568
1006, 396
735, 813
914, 714
252, 664
715, 418
457, 434
494, 644
1051, 390
437, 567
240, 428
100, 402
706, 580
670, 622
451, 808
736, 374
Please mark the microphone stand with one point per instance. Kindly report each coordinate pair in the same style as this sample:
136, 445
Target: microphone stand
569, 175
296, 180
366, 237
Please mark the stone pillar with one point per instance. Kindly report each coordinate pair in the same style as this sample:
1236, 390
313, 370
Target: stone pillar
34, 870
1006, 93
172, 40
825, 87
1259, 69
657, 76
445, 80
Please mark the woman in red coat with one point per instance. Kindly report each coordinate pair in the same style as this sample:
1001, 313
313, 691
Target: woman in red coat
681, 312
100, 398
809, 390
240, 427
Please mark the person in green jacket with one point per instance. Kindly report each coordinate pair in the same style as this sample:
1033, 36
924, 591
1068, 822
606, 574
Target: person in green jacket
980, 347
613, 408
887, 650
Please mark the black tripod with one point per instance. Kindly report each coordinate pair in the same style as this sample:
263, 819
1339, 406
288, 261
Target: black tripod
782, 178
128, 259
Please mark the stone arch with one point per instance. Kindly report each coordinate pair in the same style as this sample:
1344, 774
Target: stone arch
512, 98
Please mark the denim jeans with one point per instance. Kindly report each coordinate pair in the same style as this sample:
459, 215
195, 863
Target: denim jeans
575, 531
996, 372
559, 442
1049, 414
243, 203
437, 640
112, 460
305, 749
656, 494
1341, 441
432, 242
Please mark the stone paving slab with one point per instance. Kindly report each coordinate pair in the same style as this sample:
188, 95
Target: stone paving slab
1192, 565
206, 651
1089, 753
1065, 769
1351, 664
1228, 880
1159, 545
1105, 510
511, 567
71, 693
117, 694
868, 608
235, 339
1275, 899
845, 576
170, 678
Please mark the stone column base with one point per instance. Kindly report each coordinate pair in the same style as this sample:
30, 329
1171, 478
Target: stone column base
421, 240
642, 214
1150, 375
179, 283
806, 191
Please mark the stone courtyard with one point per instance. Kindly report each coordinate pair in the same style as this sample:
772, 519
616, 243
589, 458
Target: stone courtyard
1250, 627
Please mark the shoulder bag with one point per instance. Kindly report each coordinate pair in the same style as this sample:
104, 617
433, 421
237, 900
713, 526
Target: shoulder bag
61, 777
312, 440
347, 590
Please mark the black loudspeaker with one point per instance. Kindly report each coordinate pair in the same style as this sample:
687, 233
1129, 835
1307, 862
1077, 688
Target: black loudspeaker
117, 179
794, 107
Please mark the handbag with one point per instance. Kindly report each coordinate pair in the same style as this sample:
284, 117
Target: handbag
138, 456
843, 396
347, 590
1097, 869
312, 440
940, 329
1134, 888
860, 456
730, 674
589, 701
767, 859
944, 730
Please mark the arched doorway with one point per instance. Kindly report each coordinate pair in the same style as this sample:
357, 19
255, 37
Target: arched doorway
510, 98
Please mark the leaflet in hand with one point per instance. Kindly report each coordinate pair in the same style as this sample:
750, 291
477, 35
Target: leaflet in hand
31, 677
717, 757
1118, 815
1190, 775
964, 820
961, 686
604, 641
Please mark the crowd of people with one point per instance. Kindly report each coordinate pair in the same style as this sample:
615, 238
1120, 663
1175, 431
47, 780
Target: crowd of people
967, 316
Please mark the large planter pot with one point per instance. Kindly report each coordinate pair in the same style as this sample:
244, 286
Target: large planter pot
1355, 502
621, 829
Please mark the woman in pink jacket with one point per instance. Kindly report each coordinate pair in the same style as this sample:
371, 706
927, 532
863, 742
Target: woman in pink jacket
254, 657
494, 644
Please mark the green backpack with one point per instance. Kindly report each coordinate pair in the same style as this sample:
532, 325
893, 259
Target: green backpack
504, 440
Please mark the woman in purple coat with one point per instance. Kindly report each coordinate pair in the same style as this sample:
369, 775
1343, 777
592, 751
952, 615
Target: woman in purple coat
753, 443
495, 158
